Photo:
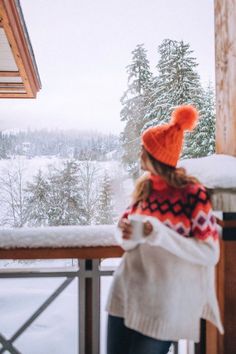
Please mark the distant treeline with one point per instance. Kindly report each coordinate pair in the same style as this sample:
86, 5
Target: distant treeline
72, 144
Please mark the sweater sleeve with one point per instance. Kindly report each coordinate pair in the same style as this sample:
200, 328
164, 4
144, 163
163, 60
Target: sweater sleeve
202, 247
127, 245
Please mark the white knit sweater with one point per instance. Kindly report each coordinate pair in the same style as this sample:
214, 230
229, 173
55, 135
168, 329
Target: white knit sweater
165, 284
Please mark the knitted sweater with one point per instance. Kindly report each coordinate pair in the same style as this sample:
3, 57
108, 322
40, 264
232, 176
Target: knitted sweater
165, 283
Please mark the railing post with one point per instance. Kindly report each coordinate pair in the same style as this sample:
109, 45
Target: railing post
89, 306
96, 281
81, 307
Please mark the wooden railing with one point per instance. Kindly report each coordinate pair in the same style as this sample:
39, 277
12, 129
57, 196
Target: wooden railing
62, 253
89, 274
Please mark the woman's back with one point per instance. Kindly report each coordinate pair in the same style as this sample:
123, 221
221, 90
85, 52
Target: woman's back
186, 210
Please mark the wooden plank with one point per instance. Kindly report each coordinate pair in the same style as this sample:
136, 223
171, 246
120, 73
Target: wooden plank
211, 339
215, 341
225, 50
220, 290
15, 95
9, 74
11, 84
230, 298
226, 293
60, 253
12, 89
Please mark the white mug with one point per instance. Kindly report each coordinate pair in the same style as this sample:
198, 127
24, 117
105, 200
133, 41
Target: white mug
137, 227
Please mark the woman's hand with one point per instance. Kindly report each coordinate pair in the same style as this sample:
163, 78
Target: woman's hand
126, 228
147, 228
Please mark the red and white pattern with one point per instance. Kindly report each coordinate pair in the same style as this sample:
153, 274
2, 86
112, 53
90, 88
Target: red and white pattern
187, 210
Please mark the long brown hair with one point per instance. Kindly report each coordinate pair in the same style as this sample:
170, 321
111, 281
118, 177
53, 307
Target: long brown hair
174, 176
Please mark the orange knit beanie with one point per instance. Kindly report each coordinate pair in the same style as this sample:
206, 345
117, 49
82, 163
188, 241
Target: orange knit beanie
165, 142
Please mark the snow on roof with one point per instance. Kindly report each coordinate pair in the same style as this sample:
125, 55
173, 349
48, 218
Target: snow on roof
60, 236
215, 171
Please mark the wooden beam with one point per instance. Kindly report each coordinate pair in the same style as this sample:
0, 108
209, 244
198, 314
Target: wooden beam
17, 40
9, 74
22, 39
7, 24
225, 50
60, 253
225, 54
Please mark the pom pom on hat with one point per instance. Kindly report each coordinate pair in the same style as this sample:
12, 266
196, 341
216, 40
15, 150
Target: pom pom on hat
164, 142
185, 117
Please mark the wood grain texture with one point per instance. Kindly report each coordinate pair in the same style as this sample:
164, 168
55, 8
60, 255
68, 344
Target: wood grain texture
226, 293
9, 74
230, 297
215, 341
225, 54
60, 253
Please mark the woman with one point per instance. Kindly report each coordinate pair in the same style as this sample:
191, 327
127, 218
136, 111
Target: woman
165, 282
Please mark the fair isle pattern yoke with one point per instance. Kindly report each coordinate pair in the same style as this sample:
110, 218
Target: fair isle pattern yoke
187, 210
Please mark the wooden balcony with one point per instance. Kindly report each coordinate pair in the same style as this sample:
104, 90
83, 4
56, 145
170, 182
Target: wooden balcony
89, 274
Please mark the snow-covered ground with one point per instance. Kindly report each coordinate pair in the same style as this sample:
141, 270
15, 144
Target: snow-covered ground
55, 330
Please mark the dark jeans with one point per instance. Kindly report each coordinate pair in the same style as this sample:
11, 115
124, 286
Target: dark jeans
123, 340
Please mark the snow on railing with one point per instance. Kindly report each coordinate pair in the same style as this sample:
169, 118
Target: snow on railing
58, 237
215, 171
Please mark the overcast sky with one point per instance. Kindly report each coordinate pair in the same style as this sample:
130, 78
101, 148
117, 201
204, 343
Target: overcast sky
83, 46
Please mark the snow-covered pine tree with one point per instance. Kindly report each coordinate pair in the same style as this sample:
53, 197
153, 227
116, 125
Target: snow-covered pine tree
104, 210
37, 200
201, 142
3, 146
134, 106
12, 194
131, 146
65, 196
177, 82
88, 186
